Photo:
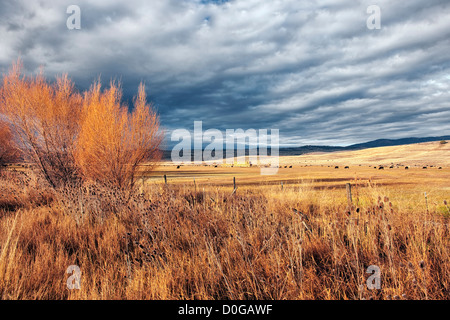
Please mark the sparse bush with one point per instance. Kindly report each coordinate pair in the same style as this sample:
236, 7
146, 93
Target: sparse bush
70, 136
443, 142
113, 142
45, 120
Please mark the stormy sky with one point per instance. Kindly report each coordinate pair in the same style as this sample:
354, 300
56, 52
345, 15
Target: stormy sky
312, 69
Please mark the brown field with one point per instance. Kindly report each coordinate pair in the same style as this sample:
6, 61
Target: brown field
199, 240
414, 155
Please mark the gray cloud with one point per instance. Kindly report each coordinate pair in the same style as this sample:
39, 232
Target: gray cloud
309, 68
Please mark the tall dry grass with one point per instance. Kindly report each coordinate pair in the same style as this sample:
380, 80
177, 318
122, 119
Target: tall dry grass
174, 242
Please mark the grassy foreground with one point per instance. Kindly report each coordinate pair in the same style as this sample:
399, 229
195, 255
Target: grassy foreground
186, 241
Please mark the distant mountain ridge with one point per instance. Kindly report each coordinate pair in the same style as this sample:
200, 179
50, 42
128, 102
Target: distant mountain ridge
397, 142
367, 145
293, 151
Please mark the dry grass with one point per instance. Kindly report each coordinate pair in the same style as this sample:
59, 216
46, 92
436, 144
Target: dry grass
420, 154
186, 241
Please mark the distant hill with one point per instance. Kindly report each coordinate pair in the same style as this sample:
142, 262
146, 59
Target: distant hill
367, 145
296, 151
424, 154
396, 142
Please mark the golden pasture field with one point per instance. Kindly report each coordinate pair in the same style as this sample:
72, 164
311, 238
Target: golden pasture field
415, 155
293, 235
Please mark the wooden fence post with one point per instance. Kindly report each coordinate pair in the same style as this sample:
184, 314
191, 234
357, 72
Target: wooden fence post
349, 194
234, 186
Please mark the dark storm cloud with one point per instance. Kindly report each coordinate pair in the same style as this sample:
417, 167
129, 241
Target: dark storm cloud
309, 68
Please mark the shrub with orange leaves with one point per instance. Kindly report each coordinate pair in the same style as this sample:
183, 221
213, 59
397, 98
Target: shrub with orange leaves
113, 142
44, 118
70, 136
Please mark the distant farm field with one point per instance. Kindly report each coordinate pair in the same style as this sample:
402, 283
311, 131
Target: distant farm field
405, 170
294, 235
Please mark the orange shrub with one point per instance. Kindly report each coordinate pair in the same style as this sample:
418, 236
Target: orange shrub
44, 119
70, 136
113, 142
